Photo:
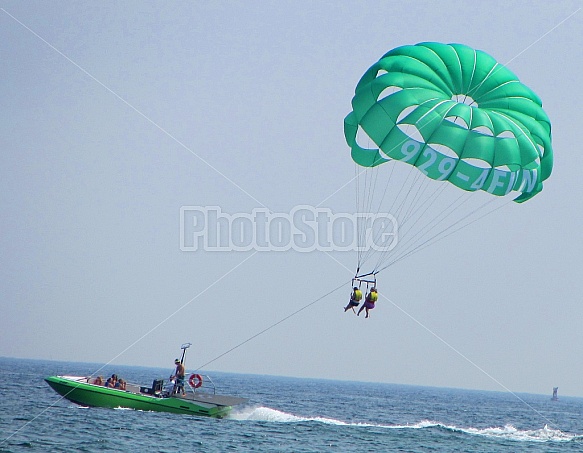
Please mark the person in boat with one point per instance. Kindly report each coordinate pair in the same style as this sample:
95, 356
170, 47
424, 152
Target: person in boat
355, 299
178, 378
98, 380
369, 302
120, 384
111, 381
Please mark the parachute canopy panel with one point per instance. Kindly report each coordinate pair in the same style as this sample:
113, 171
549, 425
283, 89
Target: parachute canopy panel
455, 114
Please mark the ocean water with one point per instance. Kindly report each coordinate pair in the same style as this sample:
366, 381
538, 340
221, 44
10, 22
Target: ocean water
285, 415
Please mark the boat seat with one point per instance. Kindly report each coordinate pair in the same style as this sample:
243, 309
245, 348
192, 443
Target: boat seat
157, 386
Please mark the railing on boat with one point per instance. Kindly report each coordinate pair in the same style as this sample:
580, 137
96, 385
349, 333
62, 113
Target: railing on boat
160, 387
210, 387
167, 387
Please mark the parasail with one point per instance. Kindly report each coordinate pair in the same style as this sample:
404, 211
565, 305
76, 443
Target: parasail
446, 119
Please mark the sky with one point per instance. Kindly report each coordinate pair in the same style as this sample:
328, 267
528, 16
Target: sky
117, 118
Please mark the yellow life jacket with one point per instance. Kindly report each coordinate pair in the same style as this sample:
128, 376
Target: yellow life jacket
357, 295
373, 297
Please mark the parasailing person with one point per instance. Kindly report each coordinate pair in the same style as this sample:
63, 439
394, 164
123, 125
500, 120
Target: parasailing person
355, 299
369, 302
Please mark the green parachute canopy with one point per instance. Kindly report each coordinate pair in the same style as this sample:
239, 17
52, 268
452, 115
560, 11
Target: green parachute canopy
456, 115
427, 115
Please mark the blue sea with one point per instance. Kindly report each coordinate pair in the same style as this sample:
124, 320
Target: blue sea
285, 415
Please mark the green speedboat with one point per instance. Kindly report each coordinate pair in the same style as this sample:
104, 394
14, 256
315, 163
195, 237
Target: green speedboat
197, 398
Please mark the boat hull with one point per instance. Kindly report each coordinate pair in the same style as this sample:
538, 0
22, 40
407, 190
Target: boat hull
86, 394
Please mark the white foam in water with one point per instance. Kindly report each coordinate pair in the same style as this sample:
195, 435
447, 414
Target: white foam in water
272, 415
536, 435
262, 414
508, 432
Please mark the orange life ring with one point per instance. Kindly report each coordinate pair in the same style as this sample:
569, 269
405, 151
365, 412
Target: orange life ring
195, 380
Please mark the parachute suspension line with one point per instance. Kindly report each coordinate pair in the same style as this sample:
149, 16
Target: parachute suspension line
418, 213
405, 205
386, 186
401, 203
371, 178
442, 235
313, 302
414, 200
396, 201
443, 214
388, 182
368, 231
412, 241
403, 211
427, 202
372, 187
361, 209
407, 195
406, 227
419, 238
382, 231
364, 204
359, 204
432, 224
358, 228
449, 231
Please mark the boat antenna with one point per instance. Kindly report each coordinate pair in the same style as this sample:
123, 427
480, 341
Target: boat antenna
184, 347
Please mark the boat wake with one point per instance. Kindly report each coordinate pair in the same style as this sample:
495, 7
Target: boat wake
266, 414
508, 432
